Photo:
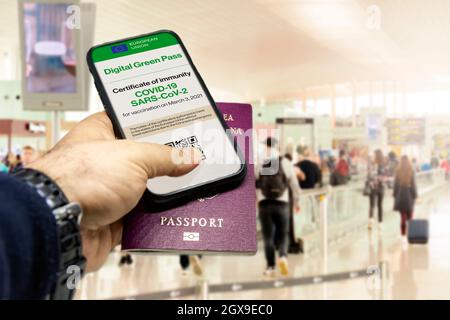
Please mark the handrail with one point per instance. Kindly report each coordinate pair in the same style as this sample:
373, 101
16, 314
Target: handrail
202, 290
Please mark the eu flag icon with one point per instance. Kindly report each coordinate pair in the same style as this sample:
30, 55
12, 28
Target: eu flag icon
120, 48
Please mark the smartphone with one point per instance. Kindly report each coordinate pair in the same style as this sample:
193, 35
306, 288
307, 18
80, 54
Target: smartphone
152, 92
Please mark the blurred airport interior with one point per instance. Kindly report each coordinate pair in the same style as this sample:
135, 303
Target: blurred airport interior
334, 79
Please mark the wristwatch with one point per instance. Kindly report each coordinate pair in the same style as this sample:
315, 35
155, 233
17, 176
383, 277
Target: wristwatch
72, 262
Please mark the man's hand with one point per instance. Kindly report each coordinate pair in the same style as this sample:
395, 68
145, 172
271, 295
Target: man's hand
107, 177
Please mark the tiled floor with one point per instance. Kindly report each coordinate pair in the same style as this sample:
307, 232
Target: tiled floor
415, 272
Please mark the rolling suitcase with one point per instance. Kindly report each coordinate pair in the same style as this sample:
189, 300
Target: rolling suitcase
418, 231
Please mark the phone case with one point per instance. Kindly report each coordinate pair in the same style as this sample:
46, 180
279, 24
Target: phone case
154, 202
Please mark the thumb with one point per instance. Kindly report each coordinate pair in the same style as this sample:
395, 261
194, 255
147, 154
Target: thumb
159, 160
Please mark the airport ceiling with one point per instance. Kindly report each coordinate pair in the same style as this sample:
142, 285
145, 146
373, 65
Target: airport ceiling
272, 48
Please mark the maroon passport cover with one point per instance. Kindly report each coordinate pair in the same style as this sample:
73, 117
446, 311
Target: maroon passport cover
225, 223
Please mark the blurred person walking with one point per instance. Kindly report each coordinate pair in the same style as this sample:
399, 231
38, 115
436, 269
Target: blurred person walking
186, 261
376, 177
28, 155
341, 174
405, 193
275, 176
330, 163
392, 164
309, 173
434, 161
391, 169
13, 162
445, 166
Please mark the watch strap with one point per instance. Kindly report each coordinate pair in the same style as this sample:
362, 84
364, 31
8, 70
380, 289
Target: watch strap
44, 186
72, 261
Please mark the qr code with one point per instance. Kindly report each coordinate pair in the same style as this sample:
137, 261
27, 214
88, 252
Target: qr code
191, 141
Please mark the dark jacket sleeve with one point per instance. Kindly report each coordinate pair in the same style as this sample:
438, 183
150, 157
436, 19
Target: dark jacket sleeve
29, 250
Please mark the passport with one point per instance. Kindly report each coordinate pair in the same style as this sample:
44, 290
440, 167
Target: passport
223, 223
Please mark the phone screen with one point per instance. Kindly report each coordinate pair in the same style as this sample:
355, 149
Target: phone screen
157, 97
